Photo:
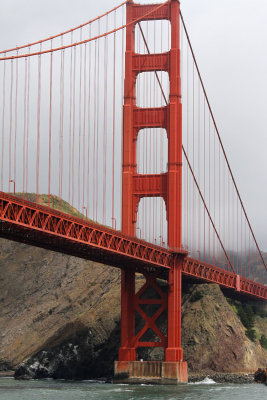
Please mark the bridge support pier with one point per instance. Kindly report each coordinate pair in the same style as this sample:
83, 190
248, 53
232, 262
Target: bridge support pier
159, 372
158, 303
127, 351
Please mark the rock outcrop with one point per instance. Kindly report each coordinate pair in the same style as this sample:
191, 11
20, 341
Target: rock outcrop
213, 336
260, 376
60, 317
46, 298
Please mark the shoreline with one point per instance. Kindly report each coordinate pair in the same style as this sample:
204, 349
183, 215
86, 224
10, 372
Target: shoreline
222, 377
7, 374
193, 377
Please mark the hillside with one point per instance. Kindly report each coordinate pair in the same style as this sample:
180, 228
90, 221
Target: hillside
54, 202
60, 317
67, 311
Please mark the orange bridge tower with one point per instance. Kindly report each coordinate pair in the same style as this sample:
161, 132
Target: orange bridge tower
166, 185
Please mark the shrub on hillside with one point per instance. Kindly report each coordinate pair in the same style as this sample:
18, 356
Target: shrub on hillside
263, 341
196, 296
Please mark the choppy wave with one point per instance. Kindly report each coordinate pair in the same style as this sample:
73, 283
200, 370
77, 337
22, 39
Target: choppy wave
206, 381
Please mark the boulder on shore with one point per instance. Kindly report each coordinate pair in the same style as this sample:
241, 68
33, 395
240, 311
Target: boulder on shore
260, 375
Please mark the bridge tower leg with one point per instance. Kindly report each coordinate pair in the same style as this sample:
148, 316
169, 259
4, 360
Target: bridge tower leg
169, 186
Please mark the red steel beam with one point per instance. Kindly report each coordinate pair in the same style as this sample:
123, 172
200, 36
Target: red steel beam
150, 185
225, 279
151, 62
141, 11
155, 117
19, 218
43, 219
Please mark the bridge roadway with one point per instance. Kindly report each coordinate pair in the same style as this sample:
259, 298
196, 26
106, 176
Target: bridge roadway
37, 225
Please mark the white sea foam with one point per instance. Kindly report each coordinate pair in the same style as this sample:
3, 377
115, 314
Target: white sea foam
206, 381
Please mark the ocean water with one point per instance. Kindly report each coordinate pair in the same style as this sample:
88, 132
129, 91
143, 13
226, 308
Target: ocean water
11, 389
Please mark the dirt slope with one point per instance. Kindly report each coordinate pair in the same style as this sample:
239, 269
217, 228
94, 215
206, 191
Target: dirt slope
62, 314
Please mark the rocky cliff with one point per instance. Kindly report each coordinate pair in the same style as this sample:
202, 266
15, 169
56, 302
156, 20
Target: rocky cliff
60, 317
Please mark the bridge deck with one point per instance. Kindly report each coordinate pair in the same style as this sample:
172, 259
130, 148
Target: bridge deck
41, 226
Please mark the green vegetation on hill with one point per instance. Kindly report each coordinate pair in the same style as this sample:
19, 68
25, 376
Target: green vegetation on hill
263, 341
197, 295
55, 202
259, 311
247, 315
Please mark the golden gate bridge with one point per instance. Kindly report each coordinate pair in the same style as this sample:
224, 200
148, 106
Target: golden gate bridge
113, 118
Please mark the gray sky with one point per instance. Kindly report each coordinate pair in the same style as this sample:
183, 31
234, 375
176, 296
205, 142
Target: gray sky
229, 39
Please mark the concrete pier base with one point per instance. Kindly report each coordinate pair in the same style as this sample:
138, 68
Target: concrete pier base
161, 372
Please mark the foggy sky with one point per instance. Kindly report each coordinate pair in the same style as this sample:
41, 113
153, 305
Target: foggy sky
230, 42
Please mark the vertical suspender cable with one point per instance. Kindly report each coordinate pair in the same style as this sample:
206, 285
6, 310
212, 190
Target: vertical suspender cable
50, 126
38, 129
16, 123
80, 125
70, 123
114, 123
95, 133
24, 125
89, 185
28, 123
104, 155
73, 123
122, 92
84, 121
97, 122
3, 126
10, 123
61, 141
